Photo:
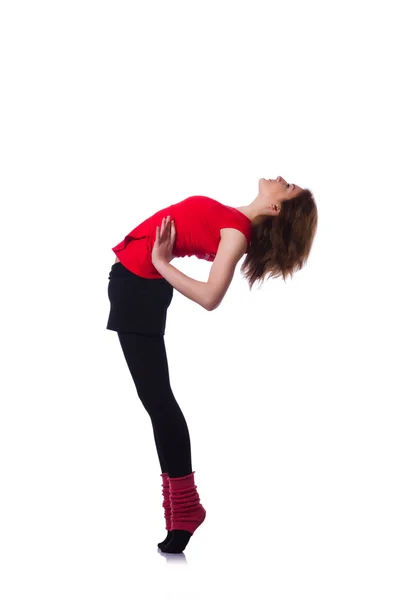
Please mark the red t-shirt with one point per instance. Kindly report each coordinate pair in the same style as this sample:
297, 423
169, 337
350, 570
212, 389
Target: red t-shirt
198, 221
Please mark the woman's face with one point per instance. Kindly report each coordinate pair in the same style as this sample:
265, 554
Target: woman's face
278, 189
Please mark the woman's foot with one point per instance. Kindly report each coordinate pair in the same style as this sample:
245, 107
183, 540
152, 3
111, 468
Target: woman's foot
187, 512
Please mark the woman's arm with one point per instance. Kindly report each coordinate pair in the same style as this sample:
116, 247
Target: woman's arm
191, 288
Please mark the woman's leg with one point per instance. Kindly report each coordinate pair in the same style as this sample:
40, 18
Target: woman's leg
147, 361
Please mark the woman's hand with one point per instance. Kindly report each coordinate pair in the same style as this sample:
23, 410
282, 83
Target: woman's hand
164, 243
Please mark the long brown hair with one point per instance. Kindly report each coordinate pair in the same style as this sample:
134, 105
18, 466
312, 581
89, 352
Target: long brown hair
281, 245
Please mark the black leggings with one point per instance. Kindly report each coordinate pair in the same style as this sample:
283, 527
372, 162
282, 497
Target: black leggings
147, 361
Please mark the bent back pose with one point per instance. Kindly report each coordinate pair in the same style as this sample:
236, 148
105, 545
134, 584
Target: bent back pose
275, 232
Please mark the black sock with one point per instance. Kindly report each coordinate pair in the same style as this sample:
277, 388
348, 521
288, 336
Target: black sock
165, 542
178, 542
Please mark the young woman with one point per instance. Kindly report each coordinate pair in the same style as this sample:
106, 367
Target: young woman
276, 233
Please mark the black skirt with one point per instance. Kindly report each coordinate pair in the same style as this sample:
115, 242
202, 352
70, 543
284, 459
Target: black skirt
137, 304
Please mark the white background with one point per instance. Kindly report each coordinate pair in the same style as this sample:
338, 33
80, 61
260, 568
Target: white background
111, 111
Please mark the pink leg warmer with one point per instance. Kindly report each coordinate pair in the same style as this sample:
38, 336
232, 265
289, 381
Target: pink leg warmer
187, 512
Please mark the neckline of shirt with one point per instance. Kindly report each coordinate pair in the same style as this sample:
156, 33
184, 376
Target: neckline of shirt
241, 213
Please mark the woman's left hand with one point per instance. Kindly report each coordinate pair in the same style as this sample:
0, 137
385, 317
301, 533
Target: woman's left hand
164, 243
